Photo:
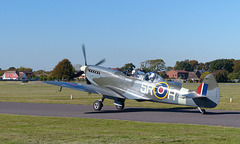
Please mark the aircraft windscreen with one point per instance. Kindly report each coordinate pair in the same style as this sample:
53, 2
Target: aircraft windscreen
153, 77
139, 74
150, 76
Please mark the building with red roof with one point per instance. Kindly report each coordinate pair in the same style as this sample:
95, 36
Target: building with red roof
14, 75
177, 74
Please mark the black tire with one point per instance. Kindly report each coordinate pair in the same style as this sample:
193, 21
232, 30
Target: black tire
120, 107
203, 111
97, 105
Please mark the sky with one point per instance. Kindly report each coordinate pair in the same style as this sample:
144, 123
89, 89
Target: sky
40, 33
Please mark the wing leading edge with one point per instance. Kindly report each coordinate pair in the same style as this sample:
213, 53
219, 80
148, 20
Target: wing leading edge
85, 87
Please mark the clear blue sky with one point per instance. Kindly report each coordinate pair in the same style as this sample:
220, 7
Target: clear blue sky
40, 33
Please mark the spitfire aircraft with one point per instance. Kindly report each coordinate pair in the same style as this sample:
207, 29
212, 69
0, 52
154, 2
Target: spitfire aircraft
115, 85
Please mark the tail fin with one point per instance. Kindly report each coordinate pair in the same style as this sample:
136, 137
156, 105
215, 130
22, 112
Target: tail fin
210, 89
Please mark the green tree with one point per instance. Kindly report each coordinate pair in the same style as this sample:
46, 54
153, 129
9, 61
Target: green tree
63, 70
206, 66
193, 64
50, 78
221, 75
12, 69
163, 74
23, 69
168, 68
236, 67
128, 67
201, 66
232, 76
1, 72
222, 64
203, 75
43, 77
153, 65
183, 65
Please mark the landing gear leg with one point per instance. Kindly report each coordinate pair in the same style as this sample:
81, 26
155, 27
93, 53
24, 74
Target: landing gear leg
203, 111
102, 98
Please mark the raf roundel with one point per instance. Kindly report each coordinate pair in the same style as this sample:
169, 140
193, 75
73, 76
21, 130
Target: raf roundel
161, 90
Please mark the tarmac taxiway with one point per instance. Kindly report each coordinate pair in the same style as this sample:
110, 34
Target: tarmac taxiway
226, 118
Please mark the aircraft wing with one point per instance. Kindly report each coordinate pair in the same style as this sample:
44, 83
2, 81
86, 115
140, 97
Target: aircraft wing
85, 87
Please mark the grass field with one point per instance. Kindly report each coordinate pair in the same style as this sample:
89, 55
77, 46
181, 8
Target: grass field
33, 129
37, 92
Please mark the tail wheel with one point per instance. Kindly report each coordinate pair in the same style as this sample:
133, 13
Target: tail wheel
203, 111
120, 107
97, 105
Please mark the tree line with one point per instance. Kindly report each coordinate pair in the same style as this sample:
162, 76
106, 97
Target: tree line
224, 70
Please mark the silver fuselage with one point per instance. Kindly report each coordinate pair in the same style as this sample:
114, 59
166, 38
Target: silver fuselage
142, 90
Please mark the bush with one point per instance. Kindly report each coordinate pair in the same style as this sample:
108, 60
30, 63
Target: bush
221, 75
203, 75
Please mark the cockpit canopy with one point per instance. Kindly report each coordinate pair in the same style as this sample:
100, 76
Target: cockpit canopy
149, 76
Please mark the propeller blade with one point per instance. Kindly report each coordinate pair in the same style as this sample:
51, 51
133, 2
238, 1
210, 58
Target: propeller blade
79, 73
102, 61
84, 54
87, 81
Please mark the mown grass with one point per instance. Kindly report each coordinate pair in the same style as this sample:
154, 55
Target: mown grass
38, 92
34, 129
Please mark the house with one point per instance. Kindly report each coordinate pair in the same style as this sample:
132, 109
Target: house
80, 78
184, 75
10, 75
193, 77
22, 75
177, 74
14, 75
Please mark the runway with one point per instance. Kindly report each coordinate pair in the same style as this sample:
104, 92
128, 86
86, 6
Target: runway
174, 115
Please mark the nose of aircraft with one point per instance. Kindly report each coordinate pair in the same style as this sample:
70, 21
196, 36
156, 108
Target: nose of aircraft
83, 68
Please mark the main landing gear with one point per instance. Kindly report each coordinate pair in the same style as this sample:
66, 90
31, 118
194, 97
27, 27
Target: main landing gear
97, 105
120, 107
119, 103
203, 111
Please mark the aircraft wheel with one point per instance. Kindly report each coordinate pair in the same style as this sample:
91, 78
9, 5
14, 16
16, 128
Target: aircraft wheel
120, 107
203, 111
97, 105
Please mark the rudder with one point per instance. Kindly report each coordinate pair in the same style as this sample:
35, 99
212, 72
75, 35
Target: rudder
212, 94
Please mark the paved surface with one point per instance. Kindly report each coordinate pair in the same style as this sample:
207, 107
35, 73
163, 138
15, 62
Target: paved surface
184, 115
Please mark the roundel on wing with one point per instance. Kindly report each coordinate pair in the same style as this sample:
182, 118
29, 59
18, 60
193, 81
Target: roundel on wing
161, 90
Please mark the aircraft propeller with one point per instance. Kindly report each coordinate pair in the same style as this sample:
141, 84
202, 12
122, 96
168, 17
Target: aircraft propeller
83, 68
102, 61
84, 54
